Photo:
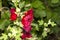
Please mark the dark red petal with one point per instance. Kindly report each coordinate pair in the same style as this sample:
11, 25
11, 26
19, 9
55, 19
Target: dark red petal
30, 11
23, 36
28, 35
12, 10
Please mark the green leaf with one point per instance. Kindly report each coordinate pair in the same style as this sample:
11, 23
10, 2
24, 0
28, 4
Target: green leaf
5, 15
44, 34
53, 24
54, 1
45, 24
38, 4
56, 18
35, 26
41, 22
40, 13
48, 14
4, 23
21, 4
4, 36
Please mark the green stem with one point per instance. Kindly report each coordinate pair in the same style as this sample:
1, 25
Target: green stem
15, 4
0, 7
0, 3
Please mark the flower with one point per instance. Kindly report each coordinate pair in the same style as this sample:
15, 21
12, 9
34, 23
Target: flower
26, 35
27, 29
13, 15
26, 21
12, 10
30, 11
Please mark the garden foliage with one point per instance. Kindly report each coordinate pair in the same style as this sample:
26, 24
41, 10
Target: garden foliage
29, 19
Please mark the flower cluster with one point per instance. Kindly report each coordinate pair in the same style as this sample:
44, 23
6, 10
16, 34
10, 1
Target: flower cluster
26, 21
13, 15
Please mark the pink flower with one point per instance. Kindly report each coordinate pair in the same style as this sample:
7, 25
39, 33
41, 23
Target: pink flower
27, 29
26, 21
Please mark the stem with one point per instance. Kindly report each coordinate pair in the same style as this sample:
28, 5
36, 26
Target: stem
0, 3
15, 3
0, 7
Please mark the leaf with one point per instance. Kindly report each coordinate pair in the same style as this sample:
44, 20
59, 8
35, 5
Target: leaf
4, 23
41, 22
56, 18
56, 29
35, 26
21, 4
5, 15
48, 14
4, 36
53, 24
44, 34
45, 24
38, 4
40, 13
54, 1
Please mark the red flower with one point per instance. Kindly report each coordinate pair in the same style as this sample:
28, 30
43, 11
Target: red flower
26, 35
13, 16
